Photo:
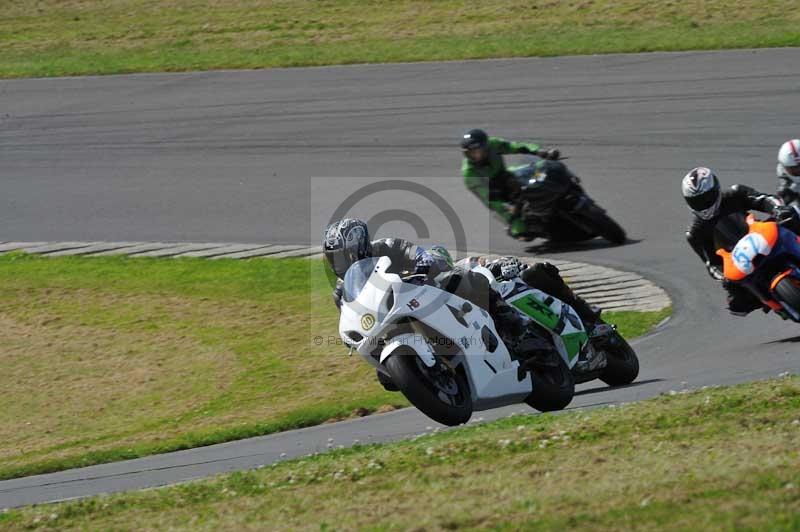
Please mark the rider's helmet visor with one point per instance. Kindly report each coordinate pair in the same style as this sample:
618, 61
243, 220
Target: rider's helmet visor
703, 201
339, 260
793, 171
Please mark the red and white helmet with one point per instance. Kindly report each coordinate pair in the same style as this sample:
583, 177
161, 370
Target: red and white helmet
789, 157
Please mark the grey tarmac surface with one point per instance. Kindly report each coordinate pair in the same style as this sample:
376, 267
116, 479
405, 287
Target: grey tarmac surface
231, 157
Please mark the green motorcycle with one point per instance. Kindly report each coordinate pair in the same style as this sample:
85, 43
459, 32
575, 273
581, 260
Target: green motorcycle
600, 353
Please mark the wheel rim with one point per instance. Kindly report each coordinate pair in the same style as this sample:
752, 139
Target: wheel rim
442, 384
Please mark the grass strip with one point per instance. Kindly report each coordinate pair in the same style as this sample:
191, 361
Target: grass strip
77, 37
719, 457
114, 358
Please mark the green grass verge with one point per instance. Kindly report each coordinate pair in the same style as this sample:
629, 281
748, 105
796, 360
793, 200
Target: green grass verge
56, 37
718, 458
115, 358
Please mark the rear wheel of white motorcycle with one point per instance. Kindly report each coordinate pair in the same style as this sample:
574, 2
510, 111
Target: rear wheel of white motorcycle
553, 387
441, 394
623, 364
789, 292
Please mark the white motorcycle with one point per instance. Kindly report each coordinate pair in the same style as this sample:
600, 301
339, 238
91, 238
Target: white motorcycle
444, 353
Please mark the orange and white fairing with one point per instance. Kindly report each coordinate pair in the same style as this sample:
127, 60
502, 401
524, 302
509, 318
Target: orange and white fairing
738, 264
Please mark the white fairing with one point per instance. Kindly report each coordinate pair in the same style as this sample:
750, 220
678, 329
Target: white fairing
386, 300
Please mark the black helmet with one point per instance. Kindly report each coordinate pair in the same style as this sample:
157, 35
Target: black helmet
475, 145
345, 242
474, 138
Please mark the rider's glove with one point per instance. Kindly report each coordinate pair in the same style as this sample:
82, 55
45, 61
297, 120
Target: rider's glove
337, 297
783, 214
513, 210
715, 272
550, 153
510, 267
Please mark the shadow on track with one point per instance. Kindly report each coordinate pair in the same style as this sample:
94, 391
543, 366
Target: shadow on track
790, 340
581, 407
610, 388
586, 245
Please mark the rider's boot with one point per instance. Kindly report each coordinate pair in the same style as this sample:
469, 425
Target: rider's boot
546, 277
517, 229
588, 314
513, 330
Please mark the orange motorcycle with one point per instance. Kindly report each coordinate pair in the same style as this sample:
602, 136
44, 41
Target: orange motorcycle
767, 262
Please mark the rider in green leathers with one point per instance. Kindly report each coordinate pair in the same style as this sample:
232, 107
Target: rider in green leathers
486, 176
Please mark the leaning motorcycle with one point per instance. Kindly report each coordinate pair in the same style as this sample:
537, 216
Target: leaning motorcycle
766, 260
444, 353
554, 206
601, 354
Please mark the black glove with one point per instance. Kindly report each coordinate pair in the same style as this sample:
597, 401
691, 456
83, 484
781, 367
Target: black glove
550, 153
784, 214
513, 210
337, 297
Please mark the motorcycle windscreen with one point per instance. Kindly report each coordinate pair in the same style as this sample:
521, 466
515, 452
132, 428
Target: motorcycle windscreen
729, 230
548, 184
357, 277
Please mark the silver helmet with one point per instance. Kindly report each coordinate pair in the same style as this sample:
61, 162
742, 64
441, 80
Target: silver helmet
700, 188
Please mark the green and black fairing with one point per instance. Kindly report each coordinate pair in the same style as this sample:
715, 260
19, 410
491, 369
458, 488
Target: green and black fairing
554, 315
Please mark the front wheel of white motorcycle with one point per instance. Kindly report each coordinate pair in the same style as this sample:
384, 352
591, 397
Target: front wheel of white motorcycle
439, 392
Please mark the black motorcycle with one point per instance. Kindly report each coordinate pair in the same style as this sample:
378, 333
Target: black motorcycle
555, 207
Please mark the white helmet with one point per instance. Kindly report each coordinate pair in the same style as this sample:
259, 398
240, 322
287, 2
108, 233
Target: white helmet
789, 157
700, 188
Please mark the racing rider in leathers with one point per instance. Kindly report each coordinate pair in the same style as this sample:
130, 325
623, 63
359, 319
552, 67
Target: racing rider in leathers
717, 221
347, 241
485, 174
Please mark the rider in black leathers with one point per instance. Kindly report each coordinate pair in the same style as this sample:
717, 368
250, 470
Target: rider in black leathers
718, 221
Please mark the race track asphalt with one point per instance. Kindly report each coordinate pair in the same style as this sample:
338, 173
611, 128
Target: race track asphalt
255, 156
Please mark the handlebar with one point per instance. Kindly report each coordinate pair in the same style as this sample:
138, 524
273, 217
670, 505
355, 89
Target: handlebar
417, 278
